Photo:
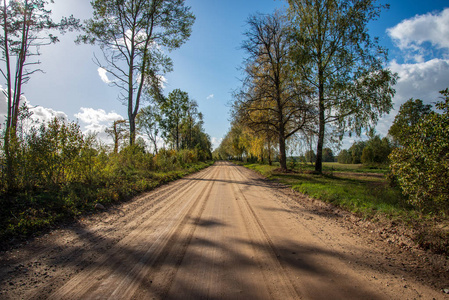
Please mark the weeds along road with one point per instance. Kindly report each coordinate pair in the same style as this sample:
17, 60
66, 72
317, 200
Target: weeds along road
222, 233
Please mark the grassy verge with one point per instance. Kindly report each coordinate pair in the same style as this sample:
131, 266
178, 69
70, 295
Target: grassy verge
346, 186
29, 213
366, 192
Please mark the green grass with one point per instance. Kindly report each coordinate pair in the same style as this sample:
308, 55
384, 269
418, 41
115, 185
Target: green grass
337, 167
361, 190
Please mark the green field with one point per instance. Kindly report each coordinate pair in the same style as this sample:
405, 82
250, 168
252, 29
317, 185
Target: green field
361, 190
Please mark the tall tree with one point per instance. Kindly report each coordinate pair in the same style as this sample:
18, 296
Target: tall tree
174, 109
188, 126
118, 131
132, 35
148, 121
26, 26
271, 100
335, 54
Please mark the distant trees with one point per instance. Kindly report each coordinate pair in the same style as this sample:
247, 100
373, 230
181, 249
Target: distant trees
148, 122
25, 28
421, 164
232, 145
334, 53
271, 101
177, 120
132, 35
328, 155
353, 155
118, 131
344, 157
356, 151
174, 107
374, 151
310, 156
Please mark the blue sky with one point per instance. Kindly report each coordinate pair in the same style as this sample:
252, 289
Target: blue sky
207, 66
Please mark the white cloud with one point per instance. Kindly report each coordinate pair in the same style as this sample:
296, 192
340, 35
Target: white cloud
413, 33
96, 120
96, 116
40, 114
216, 142
162, 81
103, 75
45, 115
211, 96
418, 37
419, 81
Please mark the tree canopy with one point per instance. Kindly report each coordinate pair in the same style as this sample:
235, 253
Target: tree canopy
132, 35
334, 53
272, 101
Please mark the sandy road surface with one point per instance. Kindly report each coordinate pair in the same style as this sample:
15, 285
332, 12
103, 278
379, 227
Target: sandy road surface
223, 233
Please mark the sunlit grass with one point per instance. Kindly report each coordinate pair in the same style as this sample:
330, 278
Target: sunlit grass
364, 192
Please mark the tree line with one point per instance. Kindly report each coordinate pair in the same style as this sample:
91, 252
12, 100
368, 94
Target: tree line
172, 121
51, 171
311, 76
311, 73
134, 36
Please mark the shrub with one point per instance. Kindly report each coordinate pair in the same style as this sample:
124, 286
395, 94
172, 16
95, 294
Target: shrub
422, 164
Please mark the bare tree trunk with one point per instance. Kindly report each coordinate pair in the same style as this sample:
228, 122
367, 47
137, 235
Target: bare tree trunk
320, 144
132, 130
269, 152
155, 146
19, 69
177, 137
9, 161
282, 156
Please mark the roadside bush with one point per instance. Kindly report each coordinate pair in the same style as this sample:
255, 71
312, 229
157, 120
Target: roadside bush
186, 157
166, 159
422, 164
52, 155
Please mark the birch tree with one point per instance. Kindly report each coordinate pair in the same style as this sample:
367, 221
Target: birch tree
26, 26
335, 54
148, 122
133, 35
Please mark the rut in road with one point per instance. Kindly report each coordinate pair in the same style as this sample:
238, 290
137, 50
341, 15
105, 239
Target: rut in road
222, 233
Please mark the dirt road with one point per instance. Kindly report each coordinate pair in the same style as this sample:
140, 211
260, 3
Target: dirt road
223, 233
